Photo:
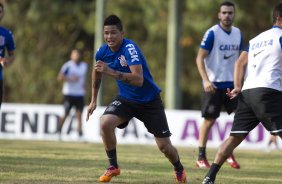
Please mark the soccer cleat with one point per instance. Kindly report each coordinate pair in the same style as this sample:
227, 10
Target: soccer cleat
204, 164
180, 177
208, 180
109, 173
232, 162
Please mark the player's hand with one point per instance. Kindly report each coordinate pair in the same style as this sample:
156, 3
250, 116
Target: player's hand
91, 107
209, 87
232, 94
100, 66
73, 78
4, 62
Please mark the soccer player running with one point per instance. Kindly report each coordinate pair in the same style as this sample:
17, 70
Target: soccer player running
219, 49
6, 43
73, 74
257, 82
138, 96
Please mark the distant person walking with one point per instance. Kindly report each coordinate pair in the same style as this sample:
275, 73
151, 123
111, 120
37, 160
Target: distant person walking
73, 74
6, 43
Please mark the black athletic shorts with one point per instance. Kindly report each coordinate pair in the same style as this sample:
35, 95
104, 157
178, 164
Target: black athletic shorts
213, 102
73, 101
152, 114
258, 105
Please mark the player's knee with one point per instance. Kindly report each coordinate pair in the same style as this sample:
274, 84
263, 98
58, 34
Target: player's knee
208, 123
106, 124
165, 148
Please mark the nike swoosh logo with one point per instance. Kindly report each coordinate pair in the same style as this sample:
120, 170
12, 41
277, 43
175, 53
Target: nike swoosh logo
165, 131
227, 57
255, 54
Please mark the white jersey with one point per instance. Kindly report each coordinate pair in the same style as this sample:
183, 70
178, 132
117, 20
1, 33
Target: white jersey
265, 61
71, 69
225, 51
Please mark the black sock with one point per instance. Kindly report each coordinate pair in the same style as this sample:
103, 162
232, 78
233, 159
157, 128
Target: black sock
178, 166
202, 153
59, 129
213, 171
112, 157
80, 133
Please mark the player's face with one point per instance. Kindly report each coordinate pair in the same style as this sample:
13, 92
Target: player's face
1, 13
113, 37
226, 16
75, 56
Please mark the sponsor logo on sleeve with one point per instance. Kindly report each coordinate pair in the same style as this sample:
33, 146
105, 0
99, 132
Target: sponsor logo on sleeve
133, 53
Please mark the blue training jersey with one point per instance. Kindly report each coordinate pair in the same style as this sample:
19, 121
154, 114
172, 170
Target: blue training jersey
6, 42
129, 54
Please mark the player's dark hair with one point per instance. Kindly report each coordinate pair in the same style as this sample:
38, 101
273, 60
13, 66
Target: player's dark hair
113, 20
2, 6
227, 3
277, 12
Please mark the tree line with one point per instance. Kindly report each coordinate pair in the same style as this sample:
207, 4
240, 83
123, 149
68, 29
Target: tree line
46, 31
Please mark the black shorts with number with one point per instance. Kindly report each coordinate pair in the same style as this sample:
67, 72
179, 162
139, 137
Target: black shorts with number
258, 105
152, 114
213, 102
73, 101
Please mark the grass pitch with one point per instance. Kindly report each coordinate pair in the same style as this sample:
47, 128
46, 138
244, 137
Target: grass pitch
29, 162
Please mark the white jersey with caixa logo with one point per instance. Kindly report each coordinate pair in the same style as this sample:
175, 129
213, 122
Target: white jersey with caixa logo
224, 53
72, 69
265, 61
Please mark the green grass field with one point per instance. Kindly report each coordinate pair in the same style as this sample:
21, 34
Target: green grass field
28, 162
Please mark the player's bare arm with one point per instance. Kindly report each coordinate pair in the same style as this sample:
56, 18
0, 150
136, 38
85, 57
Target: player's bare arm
62, 77
96, 82
5, 61
208, 85
134, 78
239, 73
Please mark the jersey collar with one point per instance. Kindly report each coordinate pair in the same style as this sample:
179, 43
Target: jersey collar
227, 32
276, 27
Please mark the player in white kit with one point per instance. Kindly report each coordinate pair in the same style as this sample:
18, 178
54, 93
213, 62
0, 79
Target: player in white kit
219, 50
73, 74
258, 83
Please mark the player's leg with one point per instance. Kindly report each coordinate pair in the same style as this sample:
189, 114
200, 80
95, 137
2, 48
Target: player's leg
67, 107
245, 120
272, 141
79, 105
203, 139
78, 114
154, 118
230, 106
117, 114
165, 146
211, 105
222, 154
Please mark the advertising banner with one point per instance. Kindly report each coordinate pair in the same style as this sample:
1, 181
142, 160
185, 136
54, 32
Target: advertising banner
40, 122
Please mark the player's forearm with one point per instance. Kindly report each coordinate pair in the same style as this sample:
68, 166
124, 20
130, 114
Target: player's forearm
130, 78
96, 82
202, 69
10, 59
62, 77
239, 70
